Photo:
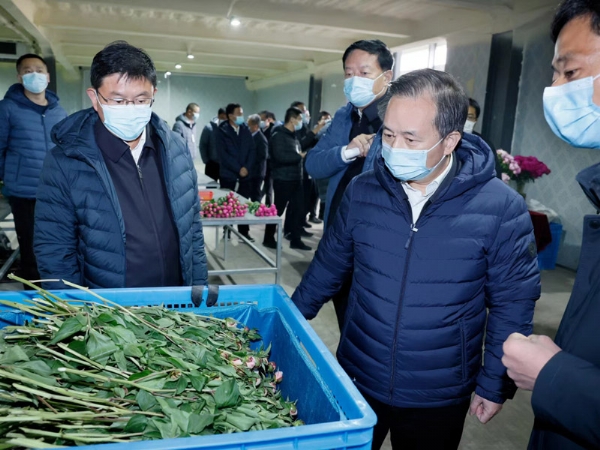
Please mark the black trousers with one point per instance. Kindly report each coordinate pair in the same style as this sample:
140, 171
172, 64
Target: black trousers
211, 169
311, 197
255, 189
23, 210
418, 428
267, 188
288, 195
244, 189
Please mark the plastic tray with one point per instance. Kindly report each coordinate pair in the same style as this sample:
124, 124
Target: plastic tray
335, 413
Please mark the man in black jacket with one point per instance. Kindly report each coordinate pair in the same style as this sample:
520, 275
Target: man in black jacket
565, 376
286, 165
208, 146
267, 123
237, 151
258, 171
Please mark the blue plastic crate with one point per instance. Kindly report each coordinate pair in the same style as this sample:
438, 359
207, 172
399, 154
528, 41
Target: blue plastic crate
335, 413
547, 257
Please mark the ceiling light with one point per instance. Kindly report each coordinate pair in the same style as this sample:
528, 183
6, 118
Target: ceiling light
190, 56
178, 66
167, 74
234, 22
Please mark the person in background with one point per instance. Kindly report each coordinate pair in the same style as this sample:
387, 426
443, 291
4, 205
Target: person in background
185, 125
308, 139
117, 205
472, 119
208, 146
431, 241
27, 114
286, 160
237, 154
565, 375
323, 183
257, 173
343, 152
267, 123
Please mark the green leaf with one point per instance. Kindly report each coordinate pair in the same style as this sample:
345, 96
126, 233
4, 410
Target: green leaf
167, 430
107, 318
50, 380
181, 419
227, 370
100, 346
119, 392
165, 323
241, 421
137, 424
198, 422
121, 335
145, 400
228, 394
198, 381
13, 354
137, 376
120, 360
70, 327
182, 384
132, 350
78, 346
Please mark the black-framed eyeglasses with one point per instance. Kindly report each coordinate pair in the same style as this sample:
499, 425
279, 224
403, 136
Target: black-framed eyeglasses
141, 101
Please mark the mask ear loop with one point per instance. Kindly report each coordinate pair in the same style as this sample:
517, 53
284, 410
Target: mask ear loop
385, 86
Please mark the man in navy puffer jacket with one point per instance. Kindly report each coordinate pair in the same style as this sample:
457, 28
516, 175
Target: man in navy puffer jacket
432, 240
117, 204
27, 115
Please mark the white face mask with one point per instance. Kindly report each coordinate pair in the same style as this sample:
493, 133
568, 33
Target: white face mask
469, 125
196, 116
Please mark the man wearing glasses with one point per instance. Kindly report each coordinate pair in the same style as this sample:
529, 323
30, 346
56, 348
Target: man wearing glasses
118, 198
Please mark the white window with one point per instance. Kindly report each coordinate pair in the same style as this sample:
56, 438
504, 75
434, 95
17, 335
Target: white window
420, 56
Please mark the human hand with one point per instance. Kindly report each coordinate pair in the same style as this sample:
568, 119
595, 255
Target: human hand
484, 409
319, 126
363, 143
525, 357
243, 172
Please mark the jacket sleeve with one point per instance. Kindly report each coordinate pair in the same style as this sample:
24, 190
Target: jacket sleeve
4, 135
227, 159
55, 229
332, 264
512, 287
200, 265
282, 152
251, 154
262, 148
178, 128
308, 141
205, 143
566, 396
325, 159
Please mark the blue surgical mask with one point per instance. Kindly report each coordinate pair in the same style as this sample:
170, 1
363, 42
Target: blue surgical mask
35, 82
239, 120
196, 116
298, 126
572, 114
262, 125
406, 164
126, 121
359, 90
305, 118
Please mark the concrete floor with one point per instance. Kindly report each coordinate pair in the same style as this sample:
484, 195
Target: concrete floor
508, 430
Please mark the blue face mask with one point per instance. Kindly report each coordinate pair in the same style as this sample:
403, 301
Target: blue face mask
262, 125
298, 126
572, 114
35, 82
126, 121
359, 90
406, 164
239, 120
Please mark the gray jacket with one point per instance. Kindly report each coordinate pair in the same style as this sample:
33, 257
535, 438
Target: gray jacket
188, 132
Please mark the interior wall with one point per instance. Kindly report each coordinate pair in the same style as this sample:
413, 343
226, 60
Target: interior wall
8, 76
533, 136
332, 97
278, 99
468, 61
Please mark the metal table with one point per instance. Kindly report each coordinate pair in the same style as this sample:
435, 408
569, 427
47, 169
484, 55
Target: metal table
248, 219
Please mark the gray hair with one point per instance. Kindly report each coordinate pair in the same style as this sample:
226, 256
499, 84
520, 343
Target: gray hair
254, 119
449, 97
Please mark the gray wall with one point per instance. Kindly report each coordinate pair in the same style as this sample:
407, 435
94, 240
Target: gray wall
278, 99
333, 92
532, 136
8, 76
469, 62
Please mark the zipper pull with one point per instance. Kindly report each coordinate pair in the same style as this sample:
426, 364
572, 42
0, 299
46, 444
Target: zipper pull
140, 173
413, 230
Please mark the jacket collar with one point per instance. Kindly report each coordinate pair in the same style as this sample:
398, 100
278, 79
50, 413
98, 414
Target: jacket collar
114, 147
589, 180
16, 93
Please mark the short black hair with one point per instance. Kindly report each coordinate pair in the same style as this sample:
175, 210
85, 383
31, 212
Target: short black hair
191, 107
122, 58
221, 111
268, 114
28, 56
296, 104
323, 114
373, 47
230, 109
292, 113
573, 9
474, 104
451, 102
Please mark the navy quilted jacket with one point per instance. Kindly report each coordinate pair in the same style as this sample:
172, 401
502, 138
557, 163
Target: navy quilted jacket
417, 307
25, 139
79, 229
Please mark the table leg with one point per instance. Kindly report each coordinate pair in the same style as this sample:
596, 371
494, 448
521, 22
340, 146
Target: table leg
278, 253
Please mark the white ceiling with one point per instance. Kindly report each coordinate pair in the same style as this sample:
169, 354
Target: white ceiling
276, 37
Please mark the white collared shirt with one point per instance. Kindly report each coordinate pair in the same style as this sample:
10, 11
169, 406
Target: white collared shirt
417, 198
136, 152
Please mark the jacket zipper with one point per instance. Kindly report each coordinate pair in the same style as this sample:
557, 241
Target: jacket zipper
44, 125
